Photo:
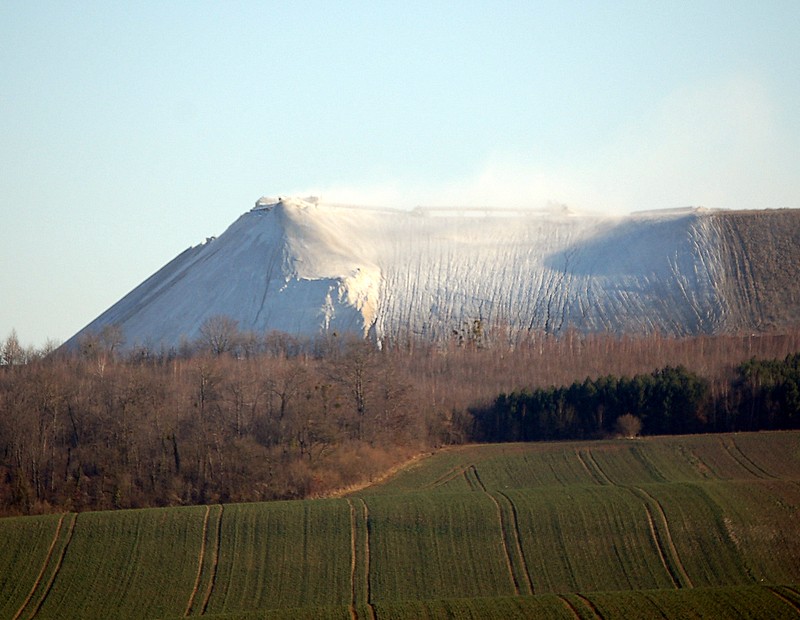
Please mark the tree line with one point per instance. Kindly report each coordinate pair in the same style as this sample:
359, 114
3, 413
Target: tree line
95, 431
237, 417
762, 395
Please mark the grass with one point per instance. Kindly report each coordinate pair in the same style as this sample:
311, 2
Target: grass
702, 526
277, 554
26, 543
436, 546
136, 563
745, 602
730, 602
588, 538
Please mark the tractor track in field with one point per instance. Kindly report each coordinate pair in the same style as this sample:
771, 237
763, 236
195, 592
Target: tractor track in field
213, 577
763, 473
448, 477
475, 482
56, 568
44, 568
589, 605
666, 548
594, 466
200, 560
518, 543
585, 466
569, 606
682, 576
367, 592
353, 532
659, 548
745, 463
506, 552
354, 603
784, 598
506, 531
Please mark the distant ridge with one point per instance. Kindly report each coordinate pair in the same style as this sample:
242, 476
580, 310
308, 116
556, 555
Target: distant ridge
306, 268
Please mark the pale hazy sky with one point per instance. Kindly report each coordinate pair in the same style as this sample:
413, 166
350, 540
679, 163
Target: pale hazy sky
131, 131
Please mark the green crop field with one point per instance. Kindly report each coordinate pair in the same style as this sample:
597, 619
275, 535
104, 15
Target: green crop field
676, 527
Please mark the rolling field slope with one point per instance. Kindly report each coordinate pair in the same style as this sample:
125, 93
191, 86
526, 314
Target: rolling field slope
700, 526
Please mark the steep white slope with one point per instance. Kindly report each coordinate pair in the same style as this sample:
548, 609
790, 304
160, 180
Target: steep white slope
305, 268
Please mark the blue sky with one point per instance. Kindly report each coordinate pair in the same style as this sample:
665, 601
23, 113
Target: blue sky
131, 131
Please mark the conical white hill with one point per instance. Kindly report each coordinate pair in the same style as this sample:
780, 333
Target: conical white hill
306, 268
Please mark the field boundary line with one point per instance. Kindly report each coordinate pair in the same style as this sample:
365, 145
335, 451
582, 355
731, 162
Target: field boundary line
518, 543
368, 592
200, 558
214, 563
44, 568
57, 566
673, 551
755, 465
784, 598
360, 486
353, 614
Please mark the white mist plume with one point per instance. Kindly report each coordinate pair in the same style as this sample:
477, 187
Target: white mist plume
714, 144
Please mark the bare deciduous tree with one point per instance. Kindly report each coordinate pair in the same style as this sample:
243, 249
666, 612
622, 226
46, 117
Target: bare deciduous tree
219, 334
628, 425
12, 353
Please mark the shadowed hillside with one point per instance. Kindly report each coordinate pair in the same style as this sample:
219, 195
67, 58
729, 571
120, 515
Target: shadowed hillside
760, 252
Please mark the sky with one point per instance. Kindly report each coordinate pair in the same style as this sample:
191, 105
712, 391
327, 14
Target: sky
132, 131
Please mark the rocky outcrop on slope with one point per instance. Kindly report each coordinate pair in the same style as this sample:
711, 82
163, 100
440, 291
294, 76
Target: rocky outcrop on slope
308, 268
